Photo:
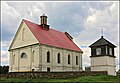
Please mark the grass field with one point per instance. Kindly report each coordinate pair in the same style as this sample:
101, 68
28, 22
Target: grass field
102, 78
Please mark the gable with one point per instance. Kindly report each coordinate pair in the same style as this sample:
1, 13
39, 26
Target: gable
23, 37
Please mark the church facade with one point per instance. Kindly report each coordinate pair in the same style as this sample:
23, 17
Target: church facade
37, 47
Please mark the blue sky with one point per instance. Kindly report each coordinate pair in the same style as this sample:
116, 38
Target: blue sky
83, 20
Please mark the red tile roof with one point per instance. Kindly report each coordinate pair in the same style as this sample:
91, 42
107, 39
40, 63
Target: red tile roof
51, 37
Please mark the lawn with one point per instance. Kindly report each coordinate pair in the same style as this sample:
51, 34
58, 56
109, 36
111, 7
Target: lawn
102, 78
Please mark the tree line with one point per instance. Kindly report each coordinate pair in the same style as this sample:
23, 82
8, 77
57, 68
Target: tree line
4, 69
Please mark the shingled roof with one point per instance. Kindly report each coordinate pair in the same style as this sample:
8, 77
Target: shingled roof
102, 41
52, 37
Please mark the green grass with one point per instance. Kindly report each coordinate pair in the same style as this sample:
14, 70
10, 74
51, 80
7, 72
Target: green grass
102, 78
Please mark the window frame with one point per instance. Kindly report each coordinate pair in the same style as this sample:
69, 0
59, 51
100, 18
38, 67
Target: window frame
110, 51
58, 58
98, 51
48, 57
68, 59
76, 60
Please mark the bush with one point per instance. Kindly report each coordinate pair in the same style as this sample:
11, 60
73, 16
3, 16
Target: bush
4, 69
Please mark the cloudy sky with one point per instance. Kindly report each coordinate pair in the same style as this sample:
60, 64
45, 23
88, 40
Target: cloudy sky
83, 20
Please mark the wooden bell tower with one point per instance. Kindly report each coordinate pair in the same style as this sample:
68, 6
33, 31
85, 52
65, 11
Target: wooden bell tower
102, 56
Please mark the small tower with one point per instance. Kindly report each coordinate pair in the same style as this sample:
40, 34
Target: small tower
43, 19
44, 22
102, 56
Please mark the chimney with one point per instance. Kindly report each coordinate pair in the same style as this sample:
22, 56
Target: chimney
44, 22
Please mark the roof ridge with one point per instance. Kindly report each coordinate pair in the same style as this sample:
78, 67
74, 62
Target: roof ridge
38, 24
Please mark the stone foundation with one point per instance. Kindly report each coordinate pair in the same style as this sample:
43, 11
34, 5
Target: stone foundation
37, 75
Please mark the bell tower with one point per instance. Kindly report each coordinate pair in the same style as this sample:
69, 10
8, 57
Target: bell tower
102, 56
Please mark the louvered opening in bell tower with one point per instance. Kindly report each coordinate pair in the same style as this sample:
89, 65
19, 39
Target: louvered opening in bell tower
44, 22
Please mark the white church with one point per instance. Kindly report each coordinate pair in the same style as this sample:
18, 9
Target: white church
37, 47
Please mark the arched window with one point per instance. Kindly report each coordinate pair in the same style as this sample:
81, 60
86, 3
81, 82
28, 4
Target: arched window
23, 55
76, 60
48, 56
68, 59
33, 52
14, 59
58, 57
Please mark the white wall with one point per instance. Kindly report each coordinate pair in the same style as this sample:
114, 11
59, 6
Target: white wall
25, 43
104, 60
40, 59
110, 69
63, 66
21, 40
29, 38
103, 63
24, 64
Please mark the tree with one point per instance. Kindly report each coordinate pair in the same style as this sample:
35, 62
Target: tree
4, 69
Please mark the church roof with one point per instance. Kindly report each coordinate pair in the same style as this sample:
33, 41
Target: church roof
102, 41
52, 37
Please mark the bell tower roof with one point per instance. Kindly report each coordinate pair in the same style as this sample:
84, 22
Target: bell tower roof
102, 41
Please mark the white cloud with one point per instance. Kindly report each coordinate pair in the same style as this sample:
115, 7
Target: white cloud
86, 57
12, 11
28, 10
4, 58
3, 53
97, 19
8, 14
93, 16
5, 44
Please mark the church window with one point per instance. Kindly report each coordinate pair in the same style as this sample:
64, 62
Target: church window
98, 51
110, 51
48, 56
76, 60
68, 59
58, 57
23, 55
23, 33
33, 55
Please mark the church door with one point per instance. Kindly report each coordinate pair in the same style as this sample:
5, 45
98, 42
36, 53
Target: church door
48, 69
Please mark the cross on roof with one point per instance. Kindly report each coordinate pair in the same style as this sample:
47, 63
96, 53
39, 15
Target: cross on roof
102, 32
